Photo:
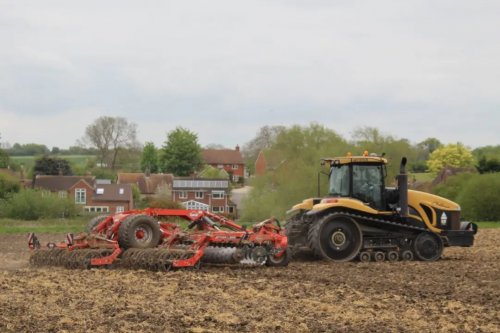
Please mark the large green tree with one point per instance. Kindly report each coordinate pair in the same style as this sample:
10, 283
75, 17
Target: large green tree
374, 141
149, 158
453, 155
52, 166
180, 153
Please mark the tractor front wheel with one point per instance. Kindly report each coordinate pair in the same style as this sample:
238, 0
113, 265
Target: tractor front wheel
428, 246
139, 231
336, 237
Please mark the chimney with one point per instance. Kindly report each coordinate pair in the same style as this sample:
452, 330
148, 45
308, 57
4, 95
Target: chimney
237, 148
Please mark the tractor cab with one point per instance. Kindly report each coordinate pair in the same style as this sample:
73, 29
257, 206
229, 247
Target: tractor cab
360, 177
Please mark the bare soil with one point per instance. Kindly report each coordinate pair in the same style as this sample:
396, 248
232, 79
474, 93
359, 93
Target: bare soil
459, 293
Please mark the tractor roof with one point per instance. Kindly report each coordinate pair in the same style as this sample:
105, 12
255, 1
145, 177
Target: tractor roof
354, 159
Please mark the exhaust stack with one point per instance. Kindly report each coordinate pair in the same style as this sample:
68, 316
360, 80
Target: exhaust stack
403, 188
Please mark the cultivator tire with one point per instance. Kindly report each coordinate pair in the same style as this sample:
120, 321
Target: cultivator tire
336, 237
282, 261
94, 223
428, 246
139, 231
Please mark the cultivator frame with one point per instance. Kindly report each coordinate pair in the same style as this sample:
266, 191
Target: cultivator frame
149, 239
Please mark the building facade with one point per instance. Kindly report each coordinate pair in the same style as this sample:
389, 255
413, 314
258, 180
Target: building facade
204, 194
230, 160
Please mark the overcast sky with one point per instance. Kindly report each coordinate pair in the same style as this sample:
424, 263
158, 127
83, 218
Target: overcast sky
223, 69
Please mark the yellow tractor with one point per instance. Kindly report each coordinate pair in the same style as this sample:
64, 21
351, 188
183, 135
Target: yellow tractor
361, 218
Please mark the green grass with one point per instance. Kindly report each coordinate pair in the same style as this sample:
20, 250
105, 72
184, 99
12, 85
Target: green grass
488, 225
10, 226
422, 177
29, 161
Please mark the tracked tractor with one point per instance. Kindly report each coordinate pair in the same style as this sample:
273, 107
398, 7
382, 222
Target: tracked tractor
361, 218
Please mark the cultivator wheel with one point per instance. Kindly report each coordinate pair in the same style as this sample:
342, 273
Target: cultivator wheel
75, 259
155, 259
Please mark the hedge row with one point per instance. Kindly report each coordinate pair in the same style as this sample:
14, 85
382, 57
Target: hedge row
477, 194
34, 204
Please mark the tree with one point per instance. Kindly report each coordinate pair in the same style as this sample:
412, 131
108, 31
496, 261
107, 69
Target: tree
453, 155
52, 166
110, 135
293, 166
4, 159
372, 140
486, 165
180, 153
428, 146
264, 139
149, 158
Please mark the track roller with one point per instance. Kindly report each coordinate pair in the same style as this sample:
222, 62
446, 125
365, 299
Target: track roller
379, 256
365, 256
392, 256
407, 255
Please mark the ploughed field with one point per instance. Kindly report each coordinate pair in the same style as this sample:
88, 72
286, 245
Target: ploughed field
459, 293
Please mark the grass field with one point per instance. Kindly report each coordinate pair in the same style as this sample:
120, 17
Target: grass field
10, 226
29, 161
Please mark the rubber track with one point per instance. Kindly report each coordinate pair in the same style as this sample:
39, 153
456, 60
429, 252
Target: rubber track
313, 232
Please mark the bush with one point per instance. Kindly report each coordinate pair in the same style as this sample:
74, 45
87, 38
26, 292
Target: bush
479, 198
453, 186
34, 204
8, 184
476, 194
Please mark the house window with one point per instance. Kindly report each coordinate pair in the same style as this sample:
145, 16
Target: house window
220, 166
182, 195
120, 209
198, 195
218, 194
97, 209
235, 178
230, 209
218, 209
235, 166
191, 204
80, 196
63, 194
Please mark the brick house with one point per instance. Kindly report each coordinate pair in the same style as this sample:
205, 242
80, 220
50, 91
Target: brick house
204, 194
92, 196
230, 160
148, 184
260, 164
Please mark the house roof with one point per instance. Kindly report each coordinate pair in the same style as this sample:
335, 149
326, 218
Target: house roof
112, 192
60, 183
146, 184
222, 156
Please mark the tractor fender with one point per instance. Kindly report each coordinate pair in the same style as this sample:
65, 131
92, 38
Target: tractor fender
335, 204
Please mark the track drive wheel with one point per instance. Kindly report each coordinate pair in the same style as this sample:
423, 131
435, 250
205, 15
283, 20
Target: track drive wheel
336, 237
282, 261
94, 222
139, 231
428, 246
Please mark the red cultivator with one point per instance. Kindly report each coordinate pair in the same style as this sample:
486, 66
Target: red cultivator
149, 239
